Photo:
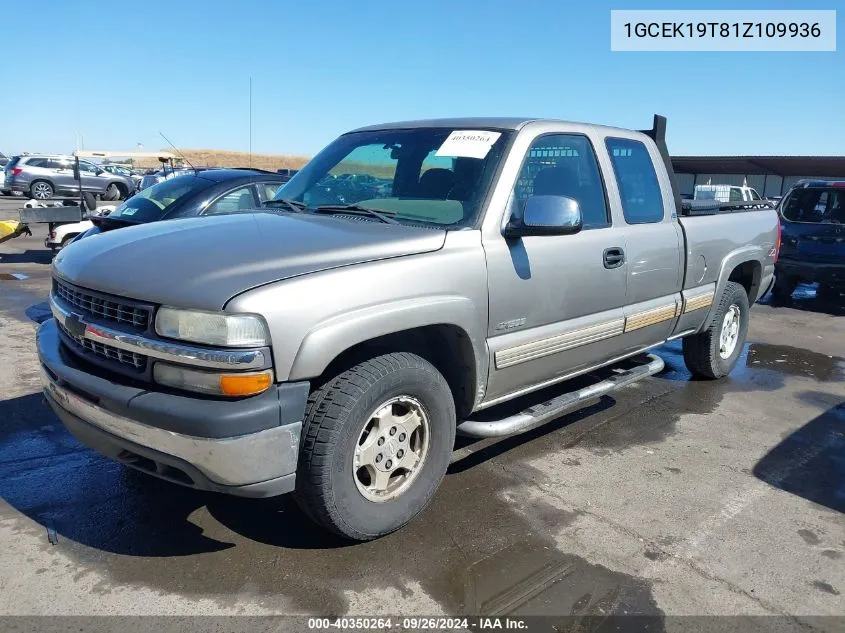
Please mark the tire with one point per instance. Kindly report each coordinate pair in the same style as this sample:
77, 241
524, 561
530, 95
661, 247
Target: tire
66, 240
112, 193
784, 287
89, 201
703, 352
41, 190
334, 437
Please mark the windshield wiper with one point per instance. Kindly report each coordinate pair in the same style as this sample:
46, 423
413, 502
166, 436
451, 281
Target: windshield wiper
293, 205
384, 216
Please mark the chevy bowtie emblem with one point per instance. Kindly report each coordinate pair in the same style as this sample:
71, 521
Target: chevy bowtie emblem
75, 326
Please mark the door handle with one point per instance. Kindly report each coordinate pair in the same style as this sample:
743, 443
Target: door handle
614, 257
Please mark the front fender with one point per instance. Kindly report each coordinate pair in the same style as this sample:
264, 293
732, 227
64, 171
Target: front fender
327, 340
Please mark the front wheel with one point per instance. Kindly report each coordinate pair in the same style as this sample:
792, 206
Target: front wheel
713, 353
377, 440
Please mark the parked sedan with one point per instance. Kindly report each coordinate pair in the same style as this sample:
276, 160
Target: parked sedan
210, 192
153, 178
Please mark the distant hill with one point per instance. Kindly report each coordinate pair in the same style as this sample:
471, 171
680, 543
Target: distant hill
224, 158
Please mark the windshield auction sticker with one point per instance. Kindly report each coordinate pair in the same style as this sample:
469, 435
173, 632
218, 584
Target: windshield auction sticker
723, 30
468, 144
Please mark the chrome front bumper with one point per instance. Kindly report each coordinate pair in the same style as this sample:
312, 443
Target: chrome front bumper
235, 461
217, 452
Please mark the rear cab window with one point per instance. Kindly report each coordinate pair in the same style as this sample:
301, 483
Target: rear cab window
639, 189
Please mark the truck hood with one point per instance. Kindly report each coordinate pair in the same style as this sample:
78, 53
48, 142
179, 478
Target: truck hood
203, 262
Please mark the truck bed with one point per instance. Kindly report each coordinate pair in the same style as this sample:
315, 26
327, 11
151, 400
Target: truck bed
714, 240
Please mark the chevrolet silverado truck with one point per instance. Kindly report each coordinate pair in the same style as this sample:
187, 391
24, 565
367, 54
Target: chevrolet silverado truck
333, 344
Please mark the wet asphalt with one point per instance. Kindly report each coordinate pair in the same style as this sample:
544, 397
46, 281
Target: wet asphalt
672, 497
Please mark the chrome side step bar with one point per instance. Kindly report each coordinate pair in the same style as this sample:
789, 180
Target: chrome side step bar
537, 415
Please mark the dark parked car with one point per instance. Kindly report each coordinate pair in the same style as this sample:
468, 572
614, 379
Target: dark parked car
812, 216
210, 192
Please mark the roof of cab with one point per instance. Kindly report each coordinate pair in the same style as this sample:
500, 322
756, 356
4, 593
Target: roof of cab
501, 123
469, 123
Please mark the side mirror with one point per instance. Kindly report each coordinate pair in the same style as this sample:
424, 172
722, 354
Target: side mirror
547, 215
99, 172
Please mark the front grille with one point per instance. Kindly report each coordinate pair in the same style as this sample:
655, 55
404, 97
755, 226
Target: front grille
136, 361
102, 308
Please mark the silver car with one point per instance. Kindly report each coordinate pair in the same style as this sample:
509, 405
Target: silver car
45, 176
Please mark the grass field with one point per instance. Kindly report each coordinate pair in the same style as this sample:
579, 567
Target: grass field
222, 158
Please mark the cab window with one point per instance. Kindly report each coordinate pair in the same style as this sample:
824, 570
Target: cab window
563, 165
642, 200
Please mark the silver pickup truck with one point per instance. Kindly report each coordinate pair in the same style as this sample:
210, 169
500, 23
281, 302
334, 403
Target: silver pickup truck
408, 280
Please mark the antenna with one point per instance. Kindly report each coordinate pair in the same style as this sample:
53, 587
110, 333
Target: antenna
250, 120
177, 151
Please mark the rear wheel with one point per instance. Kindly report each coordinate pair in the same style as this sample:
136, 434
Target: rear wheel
377, 440
41, 190
713, 353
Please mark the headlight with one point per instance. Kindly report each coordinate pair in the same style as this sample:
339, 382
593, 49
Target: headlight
214, 383
213, 328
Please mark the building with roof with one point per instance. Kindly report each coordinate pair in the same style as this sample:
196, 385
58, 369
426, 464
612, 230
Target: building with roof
769, 175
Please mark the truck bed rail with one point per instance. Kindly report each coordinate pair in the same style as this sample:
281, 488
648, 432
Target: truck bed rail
714, 207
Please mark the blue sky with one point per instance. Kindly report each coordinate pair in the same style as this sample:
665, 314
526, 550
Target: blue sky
321, 68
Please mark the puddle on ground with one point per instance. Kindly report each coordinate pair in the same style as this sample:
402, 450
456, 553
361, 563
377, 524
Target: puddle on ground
806, 298
795, 362
480, 545
525, 580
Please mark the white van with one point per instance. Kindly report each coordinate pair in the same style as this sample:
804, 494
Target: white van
726, 193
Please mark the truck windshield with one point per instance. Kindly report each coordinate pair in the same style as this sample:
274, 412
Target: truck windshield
152, 203
433, 176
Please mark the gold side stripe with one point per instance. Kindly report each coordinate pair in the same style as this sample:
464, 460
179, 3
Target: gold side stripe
558, 343
651, 317
698, 302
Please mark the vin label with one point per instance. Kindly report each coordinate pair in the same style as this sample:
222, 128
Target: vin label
723, 30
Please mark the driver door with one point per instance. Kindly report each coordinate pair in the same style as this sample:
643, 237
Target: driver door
556, 301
